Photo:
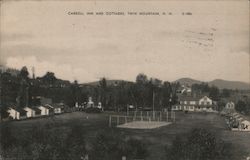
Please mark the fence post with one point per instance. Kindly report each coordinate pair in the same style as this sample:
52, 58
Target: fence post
174, 116
110, 121
167, 116
117, 120
134, 116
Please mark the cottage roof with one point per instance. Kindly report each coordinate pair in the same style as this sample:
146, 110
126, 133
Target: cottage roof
230, 102
20, 110
36, 109
189, 98
28, 108
237, 116
46, 106
16, 108
12, 105
49, 106
58, 105
246, 122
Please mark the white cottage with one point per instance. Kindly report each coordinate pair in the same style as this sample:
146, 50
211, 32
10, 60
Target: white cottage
230, 105
50, 107
245, 125
99, 105
90, 103
13, 113
29, 112
205, 101
44, 110
57, 110
16, 113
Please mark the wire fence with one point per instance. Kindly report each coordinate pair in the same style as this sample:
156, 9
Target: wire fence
148, 116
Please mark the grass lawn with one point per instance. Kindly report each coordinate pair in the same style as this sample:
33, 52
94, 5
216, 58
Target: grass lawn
155, 138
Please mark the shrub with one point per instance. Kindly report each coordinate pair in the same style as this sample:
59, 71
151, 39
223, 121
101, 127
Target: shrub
6, 136
43, 142
112, 145
199, 144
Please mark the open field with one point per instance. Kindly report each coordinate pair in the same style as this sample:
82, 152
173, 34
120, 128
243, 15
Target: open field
155, 138
143, 125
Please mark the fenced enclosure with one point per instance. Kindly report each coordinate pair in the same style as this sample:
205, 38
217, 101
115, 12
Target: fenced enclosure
147, 117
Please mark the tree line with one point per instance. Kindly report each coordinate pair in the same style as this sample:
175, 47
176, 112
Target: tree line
144, 93
22, 91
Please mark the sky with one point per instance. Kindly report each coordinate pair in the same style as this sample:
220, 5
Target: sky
212, 43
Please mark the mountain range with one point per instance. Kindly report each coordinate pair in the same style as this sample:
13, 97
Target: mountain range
220, 83
109, 82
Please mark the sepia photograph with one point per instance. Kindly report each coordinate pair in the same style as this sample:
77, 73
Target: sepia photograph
125, 80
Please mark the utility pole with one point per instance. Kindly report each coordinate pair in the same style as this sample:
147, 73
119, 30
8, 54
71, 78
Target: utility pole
27, 96
153, 101
153, 104
33, 72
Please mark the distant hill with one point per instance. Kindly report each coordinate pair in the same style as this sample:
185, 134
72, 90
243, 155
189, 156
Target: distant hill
221, 84
187, 81
230, 84
109, 82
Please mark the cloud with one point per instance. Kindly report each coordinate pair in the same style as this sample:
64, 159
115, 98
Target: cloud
10, 37
243, 48
61, 70
86, 48
41, 53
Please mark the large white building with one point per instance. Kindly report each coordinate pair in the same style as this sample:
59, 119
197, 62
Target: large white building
191, 103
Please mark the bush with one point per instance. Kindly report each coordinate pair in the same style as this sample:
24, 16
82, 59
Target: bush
111, 145
93, 110
200, 144
43, 142
137, 149
75, 145
243, 107
6, 136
